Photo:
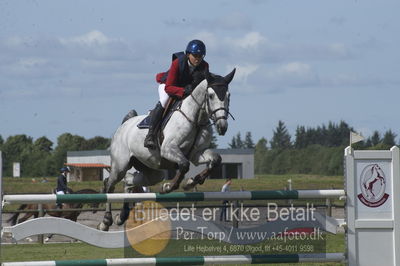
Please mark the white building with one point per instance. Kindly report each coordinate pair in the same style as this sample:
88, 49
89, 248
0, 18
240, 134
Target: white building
95, 165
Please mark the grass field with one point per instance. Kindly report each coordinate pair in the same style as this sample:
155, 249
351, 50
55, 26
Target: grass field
77, 251
26, 252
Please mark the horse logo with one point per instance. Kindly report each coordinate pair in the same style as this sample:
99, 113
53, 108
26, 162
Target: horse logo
373, 186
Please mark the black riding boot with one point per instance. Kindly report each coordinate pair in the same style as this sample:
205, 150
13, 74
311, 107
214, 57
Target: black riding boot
156, 114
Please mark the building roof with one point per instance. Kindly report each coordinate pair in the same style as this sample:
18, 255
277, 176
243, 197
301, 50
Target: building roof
88, 165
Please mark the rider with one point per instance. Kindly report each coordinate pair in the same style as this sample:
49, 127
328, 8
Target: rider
62, 187
177, 83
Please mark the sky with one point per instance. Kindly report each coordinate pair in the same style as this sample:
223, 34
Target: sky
80, 66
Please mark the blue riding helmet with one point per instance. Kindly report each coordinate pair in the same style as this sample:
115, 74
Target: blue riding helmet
196, 47
65, 169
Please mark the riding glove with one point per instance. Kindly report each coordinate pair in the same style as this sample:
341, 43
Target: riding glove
188, 90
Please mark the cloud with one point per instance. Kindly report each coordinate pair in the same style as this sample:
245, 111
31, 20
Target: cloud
92, 63
294, 68
251, 40
292, 74
257, 48
242, 72
94, 37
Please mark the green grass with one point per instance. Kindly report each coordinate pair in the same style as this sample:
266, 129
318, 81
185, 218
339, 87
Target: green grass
261, 182
77, 251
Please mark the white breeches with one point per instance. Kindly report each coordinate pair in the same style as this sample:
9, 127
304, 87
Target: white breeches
162, 95
60, 193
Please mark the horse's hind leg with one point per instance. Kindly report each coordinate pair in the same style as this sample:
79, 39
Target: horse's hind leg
126, 208
147, 177
118, 171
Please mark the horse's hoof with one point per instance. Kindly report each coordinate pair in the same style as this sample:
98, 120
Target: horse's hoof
201, 181
118, 220
189, 184
165, 188
108, 220
103, 227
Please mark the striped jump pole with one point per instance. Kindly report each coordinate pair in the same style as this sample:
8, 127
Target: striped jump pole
175, 196
199, 260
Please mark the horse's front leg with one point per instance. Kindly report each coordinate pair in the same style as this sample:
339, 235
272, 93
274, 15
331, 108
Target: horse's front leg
174, 154
212, 159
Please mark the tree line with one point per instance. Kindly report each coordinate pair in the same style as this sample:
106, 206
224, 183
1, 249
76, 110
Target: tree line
38, 158
317, 150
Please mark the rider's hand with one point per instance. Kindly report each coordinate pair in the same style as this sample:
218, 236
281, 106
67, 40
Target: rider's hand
188, 90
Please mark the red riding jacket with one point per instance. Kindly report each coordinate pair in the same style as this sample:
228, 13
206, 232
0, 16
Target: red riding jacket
177, 78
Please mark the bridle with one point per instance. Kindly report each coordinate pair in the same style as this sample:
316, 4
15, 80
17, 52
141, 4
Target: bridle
211, 115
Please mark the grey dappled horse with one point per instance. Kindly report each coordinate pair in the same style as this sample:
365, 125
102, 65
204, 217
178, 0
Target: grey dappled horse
187, 138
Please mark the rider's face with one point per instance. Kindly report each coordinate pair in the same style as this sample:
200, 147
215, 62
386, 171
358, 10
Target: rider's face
195, 59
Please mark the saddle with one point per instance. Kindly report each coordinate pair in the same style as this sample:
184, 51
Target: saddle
172, 106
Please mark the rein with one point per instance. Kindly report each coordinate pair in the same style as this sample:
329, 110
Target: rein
211, 115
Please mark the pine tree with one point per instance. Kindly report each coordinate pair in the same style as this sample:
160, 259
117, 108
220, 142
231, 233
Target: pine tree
389, 138
281, 137
248, 142
239, 141
301, 138
232, 144
213, 144
375, 138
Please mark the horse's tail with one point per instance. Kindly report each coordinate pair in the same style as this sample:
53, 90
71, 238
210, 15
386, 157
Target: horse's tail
14, 217
129, 115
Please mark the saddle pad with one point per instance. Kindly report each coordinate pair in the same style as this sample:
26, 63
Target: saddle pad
145, 123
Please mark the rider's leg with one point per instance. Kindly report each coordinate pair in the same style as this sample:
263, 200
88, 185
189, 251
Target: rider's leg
60, 205
156, 115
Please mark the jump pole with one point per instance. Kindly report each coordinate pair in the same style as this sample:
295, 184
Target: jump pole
198, 260
174, 196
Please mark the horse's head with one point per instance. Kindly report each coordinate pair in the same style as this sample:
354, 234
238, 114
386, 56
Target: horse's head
217, 97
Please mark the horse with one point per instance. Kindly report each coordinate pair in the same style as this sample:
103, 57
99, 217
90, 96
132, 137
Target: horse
187, 138
71, 215
375, 177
